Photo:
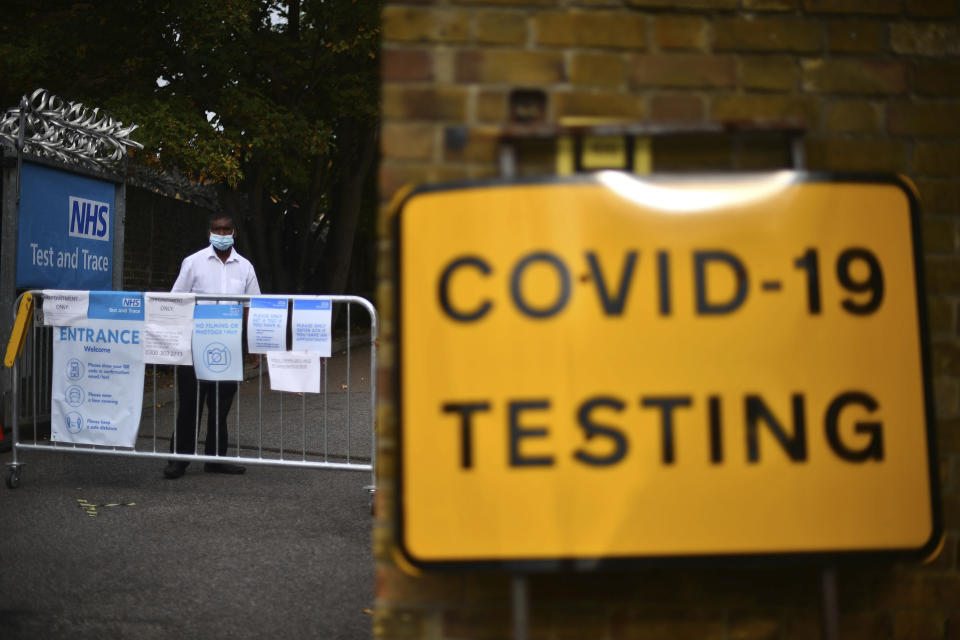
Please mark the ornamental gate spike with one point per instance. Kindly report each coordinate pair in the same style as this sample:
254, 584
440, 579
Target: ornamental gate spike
45, 125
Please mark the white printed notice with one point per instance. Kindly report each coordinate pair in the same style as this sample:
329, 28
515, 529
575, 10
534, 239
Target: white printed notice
167, 328
217, 347
267, 325
311, 326
297, 371
63, 308
97, 388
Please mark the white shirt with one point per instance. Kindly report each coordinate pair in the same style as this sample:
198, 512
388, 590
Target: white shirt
203, 272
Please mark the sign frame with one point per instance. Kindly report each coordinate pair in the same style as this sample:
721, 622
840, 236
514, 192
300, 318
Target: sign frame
759, 558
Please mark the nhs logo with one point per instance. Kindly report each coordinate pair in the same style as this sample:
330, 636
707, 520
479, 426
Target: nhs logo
130, 303
89, 219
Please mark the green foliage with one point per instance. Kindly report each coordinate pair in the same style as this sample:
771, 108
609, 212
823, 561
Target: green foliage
264, 96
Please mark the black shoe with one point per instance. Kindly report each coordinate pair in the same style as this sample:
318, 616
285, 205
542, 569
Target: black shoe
175, 469
224, 467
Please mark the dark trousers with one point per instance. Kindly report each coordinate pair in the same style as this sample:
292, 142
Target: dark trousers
192, 395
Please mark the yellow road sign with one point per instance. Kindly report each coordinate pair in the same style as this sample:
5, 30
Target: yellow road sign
613, 368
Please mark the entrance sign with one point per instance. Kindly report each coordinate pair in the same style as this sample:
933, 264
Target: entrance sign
97, 388
65, 230
217, 348
615, 369
168, 327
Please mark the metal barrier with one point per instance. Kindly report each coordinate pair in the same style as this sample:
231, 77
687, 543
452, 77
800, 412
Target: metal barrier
334, 429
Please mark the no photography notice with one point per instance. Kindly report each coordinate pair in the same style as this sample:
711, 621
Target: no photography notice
617, 369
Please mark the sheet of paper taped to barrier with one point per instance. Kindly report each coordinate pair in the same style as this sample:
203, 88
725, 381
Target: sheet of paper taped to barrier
624, 368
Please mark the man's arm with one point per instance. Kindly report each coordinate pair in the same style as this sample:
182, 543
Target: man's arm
184, 282
252, 286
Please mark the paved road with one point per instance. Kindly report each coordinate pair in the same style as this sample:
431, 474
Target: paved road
277, 552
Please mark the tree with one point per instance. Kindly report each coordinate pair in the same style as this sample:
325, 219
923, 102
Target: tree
275, 102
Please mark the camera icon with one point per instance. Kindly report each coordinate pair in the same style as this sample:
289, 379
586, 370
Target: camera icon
216, 356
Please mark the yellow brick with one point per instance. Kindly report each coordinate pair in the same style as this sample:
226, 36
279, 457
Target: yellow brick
926, 39
429, 103
852, 116
843, 75
681, 32
887, 7
408, 24
599, 104
837, 154
934, 118
770, 5
597, 69
940, 236
937, 158
937, 78
686, 107
492, 106
856, 36
685, 4
766, 34
931, 8
766, 107
407, 141
940, 196
393, 176
501, 27
463, 144
687, 70
777, 73
946, 390
510, 66
606, 29
516, 3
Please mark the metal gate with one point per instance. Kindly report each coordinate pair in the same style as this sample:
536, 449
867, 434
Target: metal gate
334, 429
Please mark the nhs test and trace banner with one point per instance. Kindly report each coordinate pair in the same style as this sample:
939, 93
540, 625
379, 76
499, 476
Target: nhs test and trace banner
65, 230
97, 387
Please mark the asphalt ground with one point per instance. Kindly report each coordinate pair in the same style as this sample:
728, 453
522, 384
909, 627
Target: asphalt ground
99, 546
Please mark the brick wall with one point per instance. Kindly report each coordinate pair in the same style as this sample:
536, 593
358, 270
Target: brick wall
875, 83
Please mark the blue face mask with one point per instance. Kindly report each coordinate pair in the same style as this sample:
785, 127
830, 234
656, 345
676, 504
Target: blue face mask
221, 242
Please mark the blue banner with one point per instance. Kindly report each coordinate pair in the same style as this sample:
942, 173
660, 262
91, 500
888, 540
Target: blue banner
64, 231
268, 303
311, 305
115, 305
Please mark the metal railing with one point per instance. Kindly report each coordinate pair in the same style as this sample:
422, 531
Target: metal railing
334, 429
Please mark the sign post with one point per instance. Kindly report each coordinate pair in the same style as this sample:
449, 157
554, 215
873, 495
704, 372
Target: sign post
609, 370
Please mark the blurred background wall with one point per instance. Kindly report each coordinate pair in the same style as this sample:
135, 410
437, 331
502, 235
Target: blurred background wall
873, 85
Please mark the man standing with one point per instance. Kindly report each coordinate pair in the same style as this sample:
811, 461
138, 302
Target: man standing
216, 269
